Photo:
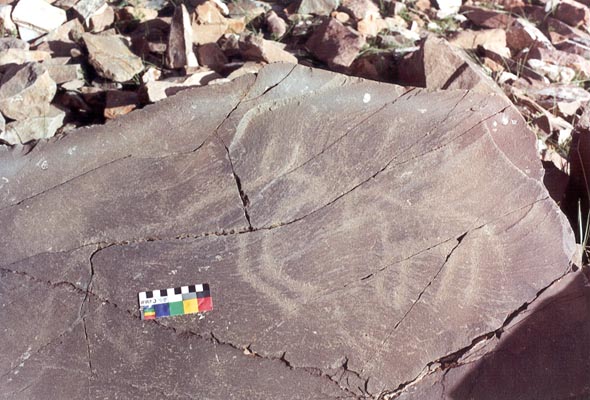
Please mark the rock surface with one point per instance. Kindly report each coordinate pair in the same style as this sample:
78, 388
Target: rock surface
345, 253
546, 347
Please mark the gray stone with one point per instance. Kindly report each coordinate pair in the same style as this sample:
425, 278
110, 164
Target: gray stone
26, 91
34, 128
341, 224
65, 73
12, 57
179, 53
13, 43
88, 8
317, 7
111, 57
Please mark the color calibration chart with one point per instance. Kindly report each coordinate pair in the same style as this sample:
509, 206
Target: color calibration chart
175, 301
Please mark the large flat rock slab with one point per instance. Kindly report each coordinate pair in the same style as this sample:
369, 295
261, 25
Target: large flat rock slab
353, 233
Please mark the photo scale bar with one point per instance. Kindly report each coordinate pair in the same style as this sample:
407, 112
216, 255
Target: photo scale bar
175, 301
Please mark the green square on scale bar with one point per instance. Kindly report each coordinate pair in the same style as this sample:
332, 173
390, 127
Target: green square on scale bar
176, 308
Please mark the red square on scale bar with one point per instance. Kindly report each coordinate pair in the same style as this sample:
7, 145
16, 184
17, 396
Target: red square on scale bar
205, 304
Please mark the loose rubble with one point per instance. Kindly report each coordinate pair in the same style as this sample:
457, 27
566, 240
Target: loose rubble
149, 50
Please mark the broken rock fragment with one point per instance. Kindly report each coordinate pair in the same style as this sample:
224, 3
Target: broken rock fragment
26, 91
335, 44
120, 103
317, 7
572, 12
111, 57
438, 65
36, 17
179, 52
34, 128
256, 48
88, 8
209, 23
211, 55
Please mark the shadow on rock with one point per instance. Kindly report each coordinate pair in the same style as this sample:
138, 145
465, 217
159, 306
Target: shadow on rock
542, 354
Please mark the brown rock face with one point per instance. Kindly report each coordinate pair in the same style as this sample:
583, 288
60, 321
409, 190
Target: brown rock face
335, 44
353, 233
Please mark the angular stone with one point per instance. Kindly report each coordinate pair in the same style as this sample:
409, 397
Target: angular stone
36, 17
179, 53
438, 65
13, 43
34, 128
64, 73
210, 55
25, 91
572, 12
119, 103
486, 18
100, 21
317, 7
209, 24
523, 34
360, 9
335, 44
489, 39
159, 90
364, 222
111, 57
20, 56
88, 8
253, 47
560, 59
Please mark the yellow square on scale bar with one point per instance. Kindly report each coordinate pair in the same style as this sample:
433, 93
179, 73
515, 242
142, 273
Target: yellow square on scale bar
191, 306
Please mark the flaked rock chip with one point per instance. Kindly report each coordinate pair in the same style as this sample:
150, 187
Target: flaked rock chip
352, 232
111, 57
26, 91
179, 52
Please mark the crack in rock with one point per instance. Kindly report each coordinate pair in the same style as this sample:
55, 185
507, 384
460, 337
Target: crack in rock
453, 360
64, 183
